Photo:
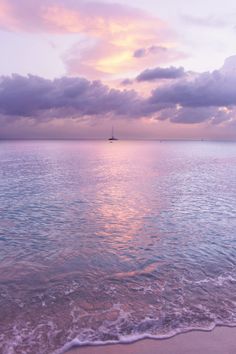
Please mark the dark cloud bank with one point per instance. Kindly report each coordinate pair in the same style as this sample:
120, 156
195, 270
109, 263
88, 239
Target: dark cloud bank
32, 96
184, 99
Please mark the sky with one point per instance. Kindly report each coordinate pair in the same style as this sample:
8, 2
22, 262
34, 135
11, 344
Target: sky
154, 70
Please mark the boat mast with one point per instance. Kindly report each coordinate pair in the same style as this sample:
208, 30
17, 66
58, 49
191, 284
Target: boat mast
112, 134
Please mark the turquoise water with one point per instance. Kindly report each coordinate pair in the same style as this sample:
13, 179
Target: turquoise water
112, 242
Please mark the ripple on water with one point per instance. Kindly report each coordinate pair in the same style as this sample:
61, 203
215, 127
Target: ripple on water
114, 242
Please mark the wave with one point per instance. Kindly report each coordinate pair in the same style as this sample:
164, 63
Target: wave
129, 339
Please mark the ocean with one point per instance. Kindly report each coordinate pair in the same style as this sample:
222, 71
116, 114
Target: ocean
111, 242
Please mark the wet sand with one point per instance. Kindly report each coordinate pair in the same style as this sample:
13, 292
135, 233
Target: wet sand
222, 340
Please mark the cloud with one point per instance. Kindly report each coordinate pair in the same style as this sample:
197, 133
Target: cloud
192, 115
208, 89
142, 52
113, 50
161, 73
39, 98
126, 82
107, 34
205, 97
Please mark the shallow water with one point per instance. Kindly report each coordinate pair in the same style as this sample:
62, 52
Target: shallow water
113, 242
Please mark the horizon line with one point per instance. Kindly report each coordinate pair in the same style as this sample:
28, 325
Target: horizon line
121, 139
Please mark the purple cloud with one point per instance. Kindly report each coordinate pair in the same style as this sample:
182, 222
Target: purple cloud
161, 73
126, 82
33, 96
208, 89
192, 115
209, 96
193, 99
143, 52
139, 53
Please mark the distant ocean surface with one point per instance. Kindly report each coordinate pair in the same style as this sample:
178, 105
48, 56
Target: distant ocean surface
104, 242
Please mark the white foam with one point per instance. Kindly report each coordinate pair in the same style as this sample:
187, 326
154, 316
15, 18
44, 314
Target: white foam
128, 339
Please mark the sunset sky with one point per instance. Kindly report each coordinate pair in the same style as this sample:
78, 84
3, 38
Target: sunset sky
156, 69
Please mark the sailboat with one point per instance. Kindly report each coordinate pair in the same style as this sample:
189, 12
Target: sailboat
112, 135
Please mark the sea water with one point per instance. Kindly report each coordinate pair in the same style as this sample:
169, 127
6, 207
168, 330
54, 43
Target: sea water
104, 242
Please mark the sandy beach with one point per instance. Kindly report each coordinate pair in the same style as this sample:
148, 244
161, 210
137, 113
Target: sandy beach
222, 340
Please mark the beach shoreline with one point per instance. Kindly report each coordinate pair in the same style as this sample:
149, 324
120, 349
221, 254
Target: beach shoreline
221, 340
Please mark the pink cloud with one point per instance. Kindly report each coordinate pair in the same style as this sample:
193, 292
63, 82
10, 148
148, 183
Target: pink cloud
117, 37
114, 33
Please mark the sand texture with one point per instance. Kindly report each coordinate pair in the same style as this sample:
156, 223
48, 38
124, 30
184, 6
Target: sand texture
222, 340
